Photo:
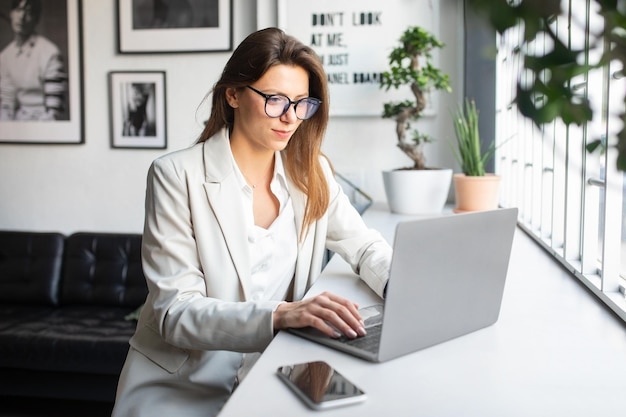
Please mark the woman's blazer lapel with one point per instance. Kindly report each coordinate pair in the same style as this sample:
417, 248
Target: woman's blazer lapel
305, 245
223, 194
311, 247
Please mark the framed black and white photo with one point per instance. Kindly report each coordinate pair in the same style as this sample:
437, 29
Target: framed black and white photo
137, 101
41, 85
166, 26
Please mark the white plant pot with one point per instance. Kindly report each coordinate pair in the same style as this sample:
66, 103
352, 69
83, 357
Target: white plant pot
417, 191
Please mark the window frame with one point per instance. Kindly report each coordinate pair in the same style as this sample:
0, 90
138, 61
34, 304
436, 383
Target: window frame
569, 200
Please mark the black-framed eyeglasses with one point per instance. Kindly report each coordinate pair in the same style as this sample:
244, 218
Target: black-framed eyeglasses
277, 104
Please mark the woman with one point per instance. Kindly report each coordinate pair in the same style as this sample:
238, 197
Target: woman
235, 232
33, 80
138, 110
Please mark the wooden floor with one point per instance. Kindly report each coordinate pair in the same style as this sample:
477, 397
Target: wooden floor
35, 407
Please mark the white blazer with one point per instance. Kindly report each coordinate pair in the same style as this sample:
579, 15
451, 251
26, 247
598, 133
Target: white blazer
198, 318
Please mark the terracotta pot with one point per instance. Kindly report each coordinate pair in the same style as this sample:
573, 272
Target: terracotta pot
476, 193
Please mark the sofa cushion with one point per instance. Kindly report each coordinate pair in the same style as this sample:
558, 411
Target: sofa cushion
82, 339
103, 269
12, 316
30, 267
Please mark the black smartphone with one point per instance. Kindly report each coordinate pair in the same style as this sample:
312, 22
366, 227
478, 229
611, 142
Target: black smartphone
319, 385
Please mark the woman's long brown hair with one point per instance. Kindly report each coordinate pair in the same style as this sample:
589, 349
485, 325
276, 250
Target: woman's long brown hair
250, 60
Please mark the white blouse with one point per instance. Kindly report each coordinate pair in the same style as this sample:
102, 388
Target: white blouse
273, 251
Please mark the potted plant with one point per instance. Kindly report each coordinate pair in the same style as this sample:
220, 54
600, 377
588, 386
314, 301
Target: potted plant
474, 189
417, 188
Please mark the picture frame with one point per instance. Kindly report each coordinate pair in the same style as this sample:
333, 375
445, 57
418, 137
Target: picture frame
199, 26
54, 114
137, 109
354, 40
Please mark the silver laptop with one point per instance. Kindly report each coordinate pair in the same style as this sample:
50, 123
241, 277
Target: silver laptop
447, 279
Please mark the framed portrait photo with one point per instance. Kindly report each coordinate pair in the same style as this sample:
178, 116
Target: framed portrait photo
137, 107
169, 26
41, 84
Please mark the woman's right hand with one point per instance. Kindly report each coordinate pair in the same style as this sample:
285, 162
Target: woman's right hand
331, 314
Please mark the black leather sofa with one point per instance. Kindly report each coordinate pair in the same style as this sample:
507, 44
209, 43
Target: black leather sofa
66, 307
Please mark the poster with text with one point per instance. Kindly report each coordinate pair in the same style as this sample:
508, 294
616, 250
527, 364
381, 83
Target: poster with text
354, 39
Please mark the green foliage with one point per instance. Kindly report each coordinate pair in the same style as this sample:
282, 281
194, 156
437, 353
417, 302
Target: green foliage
420, 138
404, 65
599, 145
392, 109
468, 151
551, 94
410, 65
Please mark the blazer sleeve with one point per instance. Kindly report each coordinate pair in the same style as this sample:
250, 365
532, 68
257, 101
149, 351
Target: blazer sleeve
367, 252
179, 308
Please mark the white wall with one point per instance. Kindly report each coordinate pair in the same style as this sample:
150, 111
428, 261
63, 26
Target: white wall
93, 187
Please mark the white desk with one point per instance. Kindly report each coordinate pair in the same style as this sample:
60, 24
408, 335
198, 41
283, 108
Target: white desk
555, 351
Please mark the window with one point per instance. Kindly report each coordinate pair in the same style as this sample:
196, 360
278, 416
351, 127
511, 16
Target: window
570, 200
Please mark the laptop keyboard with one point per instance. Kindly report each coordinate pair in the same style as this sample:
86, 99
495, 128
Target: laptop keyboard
369, 342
